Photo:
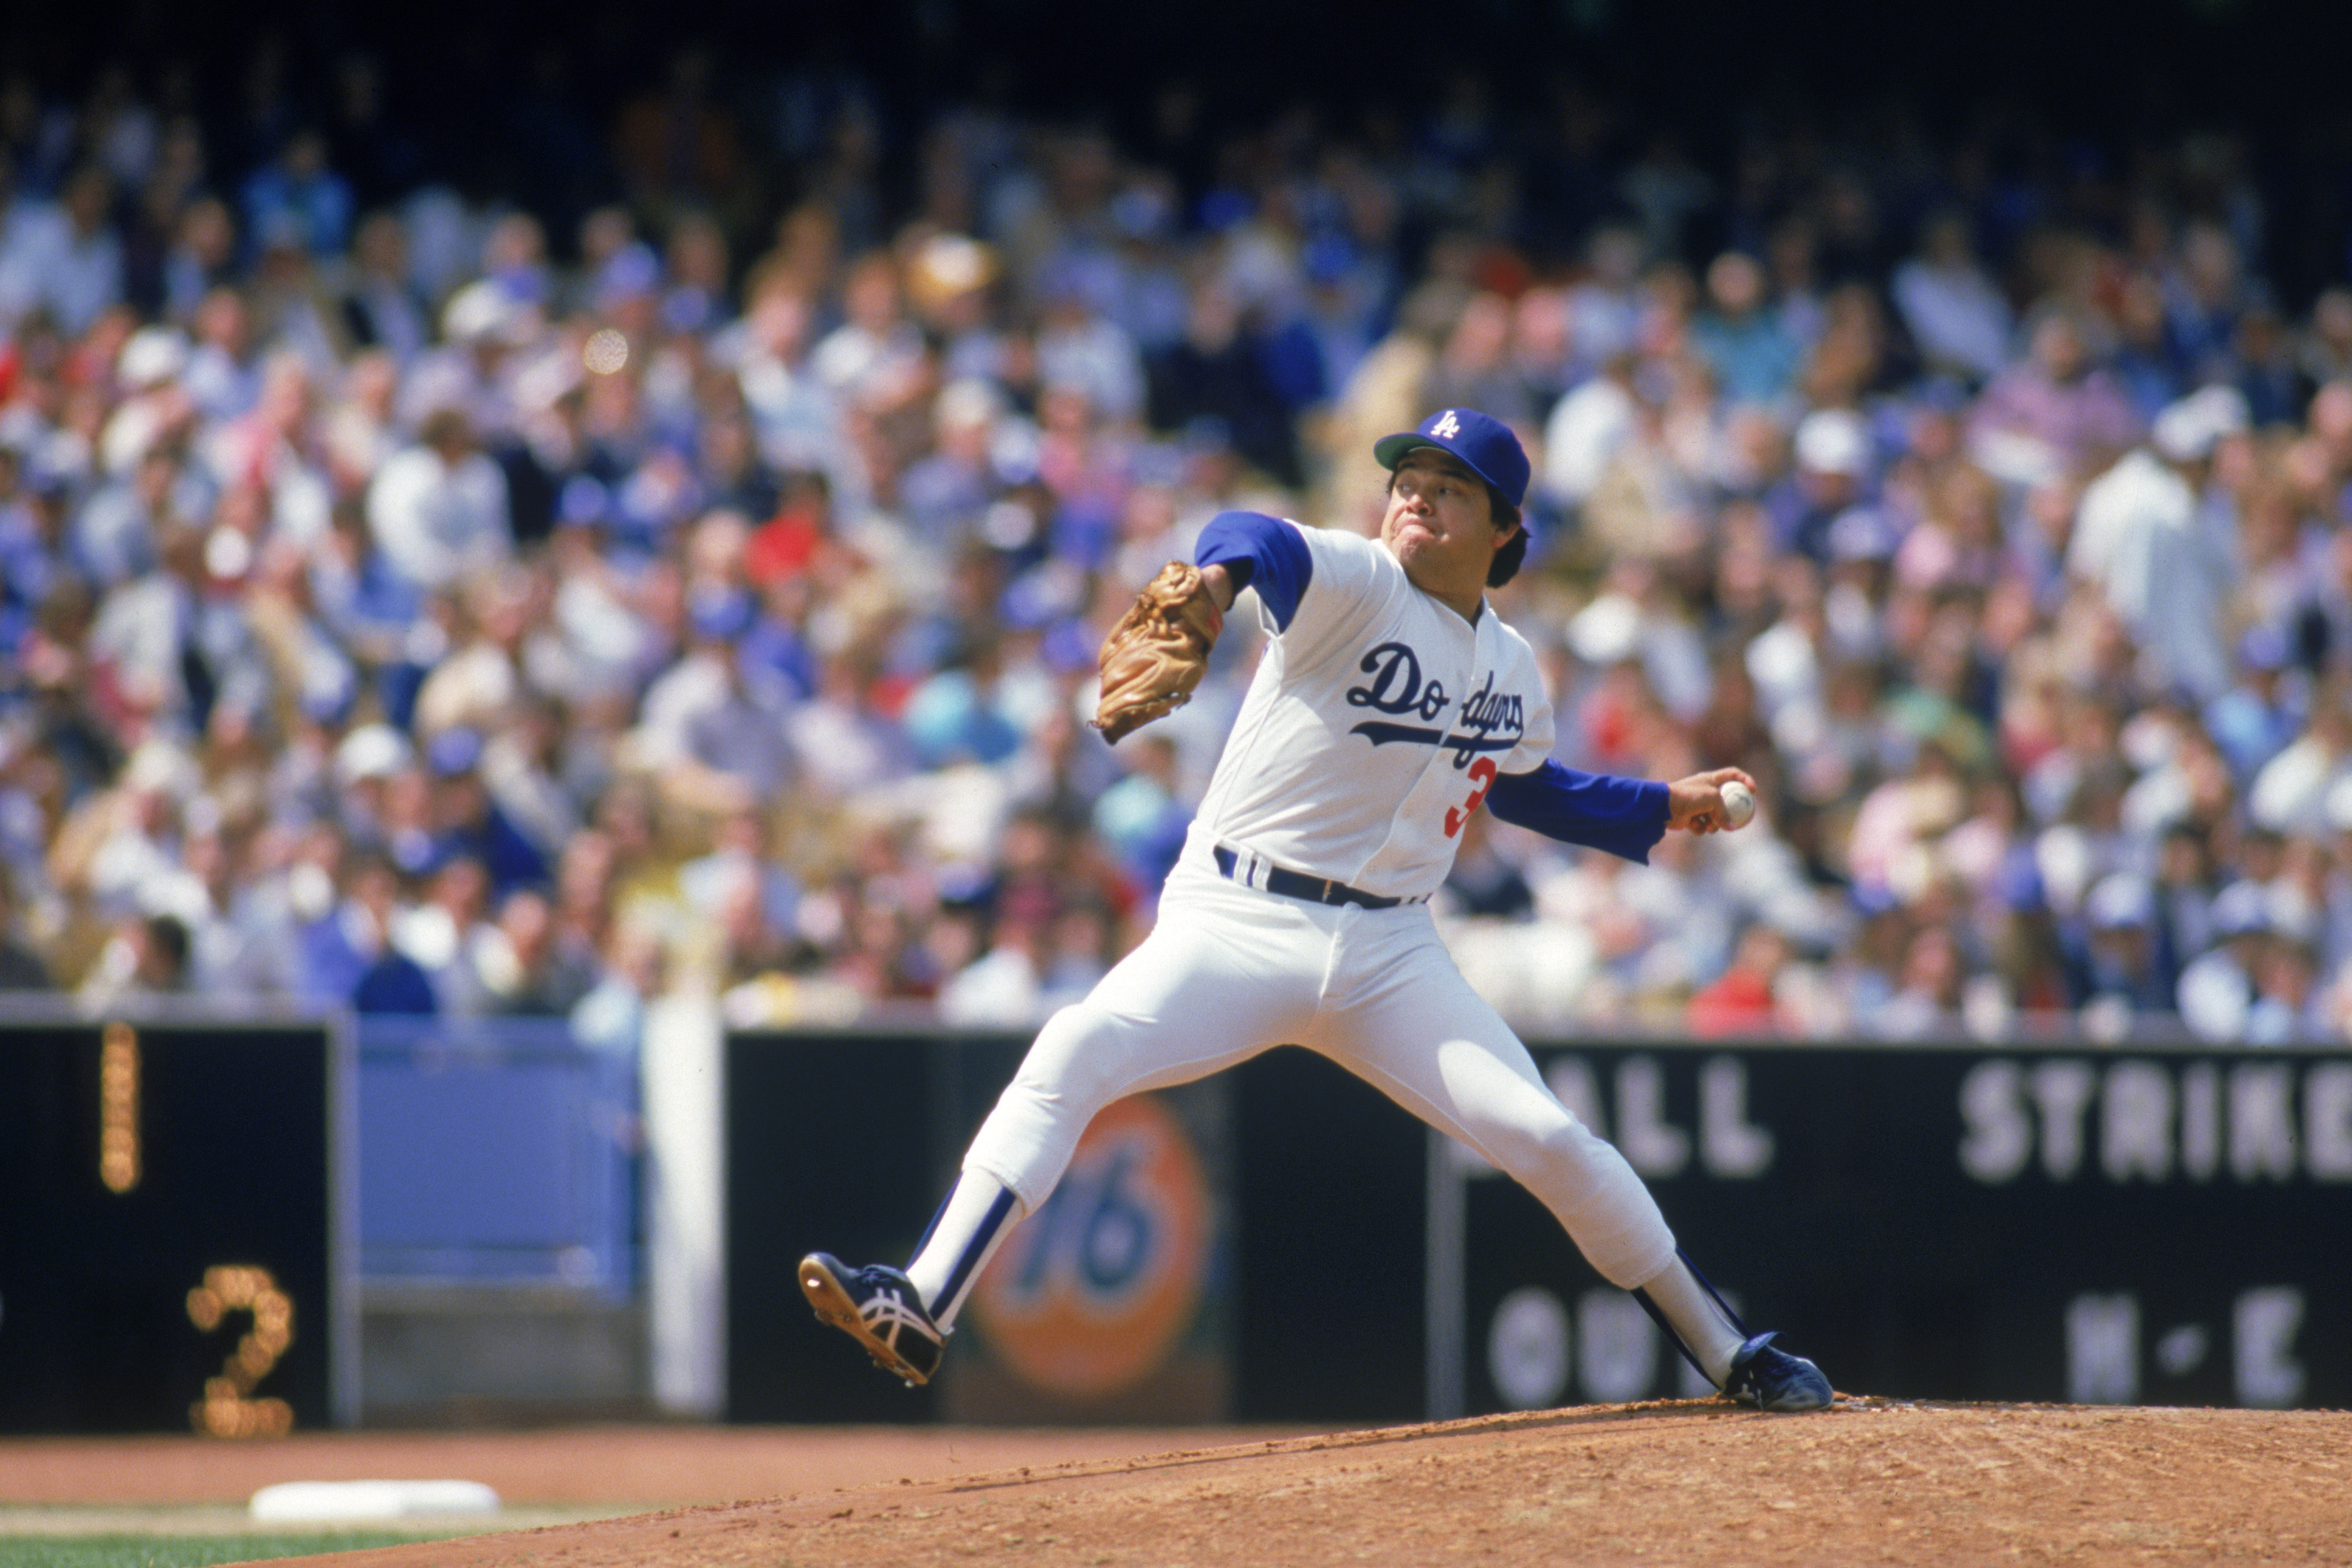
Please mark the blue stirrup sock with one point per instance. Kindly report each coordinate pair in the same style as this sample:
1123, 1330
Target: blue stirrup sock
1702, 1325
978, 1213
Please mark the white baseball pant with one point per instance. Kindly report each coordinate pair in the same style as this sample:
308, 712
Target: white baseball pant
1229, 972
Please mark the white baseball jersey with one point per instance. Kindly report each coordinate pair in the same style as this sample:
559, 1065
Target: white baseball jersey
1374, 727
1377, 722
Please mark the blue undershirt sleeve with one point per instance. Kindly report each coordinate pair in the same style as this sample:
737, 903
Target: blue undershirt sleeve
1261, 552
1599, 810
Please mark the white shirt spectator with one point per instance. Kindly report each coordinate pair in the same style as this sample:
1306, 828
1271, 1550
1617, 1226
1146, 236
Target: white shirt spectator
1097, 358
2141, 536
1955, 315
793, 409
142, 627
857, 361
439, 515
594, 645
696, 684
2290, 793
2137, 494
113, 535
220, 386
999, 989
64, 258
845, 747
1785, 663
1582, 436
2216, 998
31, 232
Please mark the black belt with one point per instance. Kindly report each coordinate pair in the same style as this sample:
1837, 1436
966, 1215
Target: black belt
1298, 884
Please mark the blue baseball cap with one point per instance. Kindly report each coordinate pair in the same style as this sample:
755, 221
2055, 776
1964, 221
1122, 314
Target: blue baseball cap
457, 749
1480, 440
720, 614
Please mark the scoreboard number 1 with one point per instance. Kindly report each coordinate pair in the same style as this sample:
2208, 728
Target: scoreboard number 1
117, 1107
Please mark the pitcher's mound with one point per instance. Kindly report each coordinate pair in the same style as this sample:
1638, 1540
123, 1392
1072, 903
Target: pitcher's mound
1698, 1483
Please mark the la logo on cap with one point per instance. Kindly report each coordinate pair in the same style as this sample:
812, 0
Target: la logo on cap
1448, 427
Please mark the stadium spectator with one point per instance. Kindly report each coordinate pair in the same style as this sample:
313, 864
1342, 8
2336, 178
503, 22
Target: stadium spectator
1956, 314
21, 968
423, 600
438, 509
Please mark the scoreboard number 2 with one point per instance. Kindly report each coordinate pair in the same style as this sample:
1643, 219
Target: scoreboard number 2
228, 1408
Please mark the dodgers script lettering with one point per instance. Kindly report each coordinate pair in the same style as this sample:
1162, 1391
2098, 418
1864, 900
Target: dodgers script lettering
1490, 720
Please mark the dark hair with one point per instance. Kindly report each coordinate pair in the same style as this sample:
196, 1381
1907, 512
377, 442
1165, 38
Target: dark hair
444, 426
166, 932
1513, 553
1501, 513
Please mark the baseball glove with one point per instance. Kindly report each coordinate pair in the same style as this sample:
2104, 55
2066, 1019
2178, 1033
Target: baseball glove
1158, 653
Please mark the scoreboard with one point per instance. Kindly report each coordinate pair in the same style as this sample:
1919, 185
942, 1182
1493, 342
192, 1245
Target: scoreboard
177, 1220
2130, 1226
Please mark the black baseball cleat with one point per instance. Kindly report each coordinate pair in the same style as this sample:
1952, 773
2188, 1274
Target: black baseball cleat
876, 1306
1771, 1378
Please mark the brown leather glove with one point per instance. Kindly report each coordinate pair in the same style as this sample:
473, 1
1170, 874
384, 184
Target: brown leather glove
1158, 653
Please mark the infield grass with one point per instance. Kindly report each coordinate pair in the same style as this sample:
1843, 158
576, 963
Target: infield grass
192, 1550
197, 1536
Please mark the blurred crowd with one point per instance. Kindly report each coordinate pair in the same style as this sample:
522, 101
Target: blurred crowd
411, 602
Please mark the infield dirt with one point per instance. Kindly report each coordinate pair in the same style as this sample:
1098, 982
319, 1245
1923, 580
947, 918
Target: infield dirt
1696, 1482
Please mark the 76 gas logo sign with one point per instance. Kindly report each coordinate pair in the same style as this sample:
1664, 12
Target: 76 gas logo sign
1093, 1291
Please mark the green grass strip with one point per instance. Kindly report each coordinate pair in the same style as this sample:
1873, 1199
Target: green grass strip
192, 1550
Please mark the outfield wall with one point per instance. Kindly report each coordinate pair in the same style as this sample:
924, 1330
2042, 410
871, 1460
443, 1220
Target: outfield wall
2159, 1226
191, 1198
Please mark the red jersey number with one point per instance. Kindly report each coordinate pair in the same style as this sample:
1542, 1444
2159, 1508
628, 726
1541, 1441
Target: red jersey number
1482, 774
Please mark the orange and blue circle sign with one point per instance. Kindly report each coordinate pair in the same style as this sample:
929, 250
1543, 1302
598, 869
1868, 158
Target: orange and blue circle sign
1090, 1294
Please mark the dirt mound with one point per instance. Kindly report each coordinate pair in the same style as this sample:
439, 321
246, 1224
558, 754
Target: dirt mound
1697, 1482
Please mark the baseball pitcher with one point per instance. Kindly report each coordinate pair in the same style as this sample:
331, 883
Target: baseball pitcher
1391, 703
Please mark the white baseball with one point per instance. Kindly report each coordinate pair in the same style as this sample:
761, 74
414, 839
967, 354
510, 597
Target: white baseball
1739, 804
